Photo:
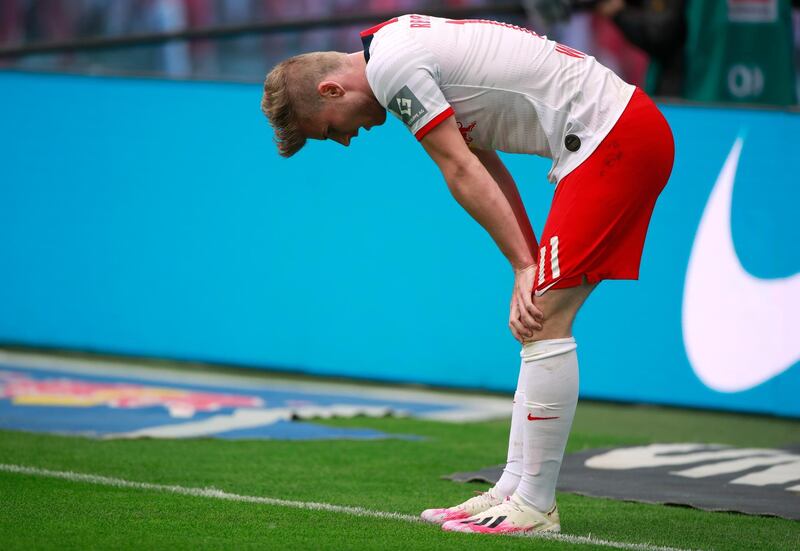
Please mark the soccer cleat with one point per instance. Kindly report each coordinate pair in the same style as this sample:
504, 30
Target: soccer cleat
472, 506
512, 516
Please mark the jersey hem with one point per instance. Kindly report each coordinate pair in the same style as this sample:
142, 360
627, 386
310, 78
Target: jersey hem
604, 131
586, 277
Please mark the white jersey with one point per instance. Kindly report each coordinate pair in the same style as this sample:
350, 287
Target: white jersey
509, 88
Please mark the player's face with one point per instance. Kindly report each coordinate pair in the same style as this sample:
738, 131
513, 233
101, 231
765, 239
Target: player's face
340, 118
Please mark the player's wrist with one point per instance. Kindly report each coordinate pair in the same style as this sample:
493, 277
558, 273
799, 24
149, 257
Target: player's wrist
523, 266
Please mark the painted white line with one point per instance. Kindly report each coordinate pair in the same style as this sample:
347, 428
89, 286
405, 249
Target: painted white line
355, 511
248, 419
201, 492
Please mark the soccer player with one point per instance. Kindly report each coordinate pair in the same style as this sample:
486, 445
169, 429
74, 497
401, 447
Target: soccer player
469, 88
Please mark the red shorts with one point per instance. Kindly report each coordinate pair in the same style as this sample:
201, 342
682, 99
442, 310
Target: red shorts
601, 210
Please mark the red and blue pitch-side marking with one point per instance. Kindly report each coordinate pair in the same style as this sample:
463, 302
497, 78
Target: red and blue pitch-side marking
96, 402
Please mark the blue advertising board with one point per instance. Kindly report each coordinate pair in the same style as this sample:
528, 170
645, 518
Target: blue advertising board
155, 218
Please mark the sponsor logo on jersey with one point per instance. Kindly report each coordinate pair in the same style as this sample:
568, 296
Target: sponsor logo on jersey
405, 105
465, 130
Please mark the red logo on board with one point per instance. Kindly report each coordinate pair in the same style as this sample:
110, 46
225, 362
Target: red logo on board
23, 390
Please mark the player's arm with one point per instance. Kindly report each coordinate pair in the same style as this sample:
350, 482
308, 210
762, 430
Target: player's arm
500, 174
475, 190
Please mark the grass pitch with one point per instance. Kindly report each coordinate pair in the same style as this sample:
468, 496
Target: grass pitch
399, 476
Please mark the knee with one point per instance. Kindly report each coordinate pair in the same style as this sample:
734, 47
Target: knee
554, 328
559, 309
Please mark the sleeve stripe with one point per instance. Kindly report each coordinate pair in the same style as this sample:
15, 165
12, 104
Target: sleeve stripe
433, 123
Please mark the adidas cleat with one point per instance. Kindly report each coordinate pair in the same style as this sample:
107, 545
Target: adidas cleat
472, 506
512, 516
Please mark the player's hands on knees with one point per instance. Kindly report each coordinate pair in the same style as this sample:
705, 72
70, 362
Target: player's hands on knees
525, 317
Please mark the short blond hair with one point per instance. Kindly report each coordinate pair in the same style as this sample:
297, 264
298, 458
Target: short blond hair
290, 94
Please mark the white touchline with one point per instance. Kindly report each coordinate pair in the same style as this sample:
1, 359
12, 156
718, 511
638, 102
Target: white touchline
355, 511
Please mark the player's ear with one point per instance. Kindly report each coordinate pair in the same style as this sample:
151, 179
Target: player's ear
330, 89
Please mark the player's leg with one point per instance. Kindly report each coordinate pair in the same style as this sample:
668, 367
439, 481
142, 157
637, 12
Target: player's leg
559, 308
550, 362
549, 389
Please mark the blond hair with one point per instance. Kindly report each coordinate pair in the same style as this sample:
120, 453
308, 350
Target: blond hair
290, 94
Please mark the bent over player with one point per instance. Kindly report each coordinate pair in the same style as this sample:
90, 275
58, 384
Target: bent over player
469, 88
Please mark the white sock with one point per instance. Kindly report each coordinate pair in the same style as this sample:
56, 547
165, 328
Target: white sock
513, 470
551, 394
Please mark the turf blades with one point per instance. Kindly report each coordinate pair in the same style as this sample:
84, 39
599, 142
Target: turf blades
214, 493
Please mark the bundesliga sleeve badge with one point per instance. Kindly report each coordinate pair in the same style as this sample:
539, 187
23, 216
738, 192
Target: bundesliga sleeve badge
407, 106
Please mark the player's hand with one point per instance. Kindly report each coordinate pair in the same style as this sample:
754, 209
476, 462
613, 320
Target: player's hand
524, 318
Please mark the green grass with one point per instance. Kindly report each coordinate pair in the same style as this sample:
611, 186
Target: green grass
389, 475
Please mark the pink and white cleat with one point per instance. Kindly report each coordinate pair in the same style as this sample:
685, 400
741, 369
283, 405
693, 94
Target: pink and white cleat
471, 507
512, 516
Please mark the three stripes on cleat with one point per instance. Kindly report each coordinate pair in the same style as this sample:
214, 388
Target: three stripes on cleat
485, 521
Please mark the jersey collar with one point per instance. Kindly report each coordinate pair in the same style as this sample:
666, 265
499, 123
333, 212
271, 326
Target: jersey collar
368, 34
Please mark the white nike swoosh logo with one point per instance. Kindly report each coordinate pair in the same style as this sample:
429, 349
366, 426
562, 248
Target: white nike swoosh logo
739, 330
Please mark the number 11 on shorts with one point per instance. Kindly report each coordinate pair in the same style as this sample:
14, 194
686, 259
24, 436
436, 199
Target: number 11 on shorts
555, 270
